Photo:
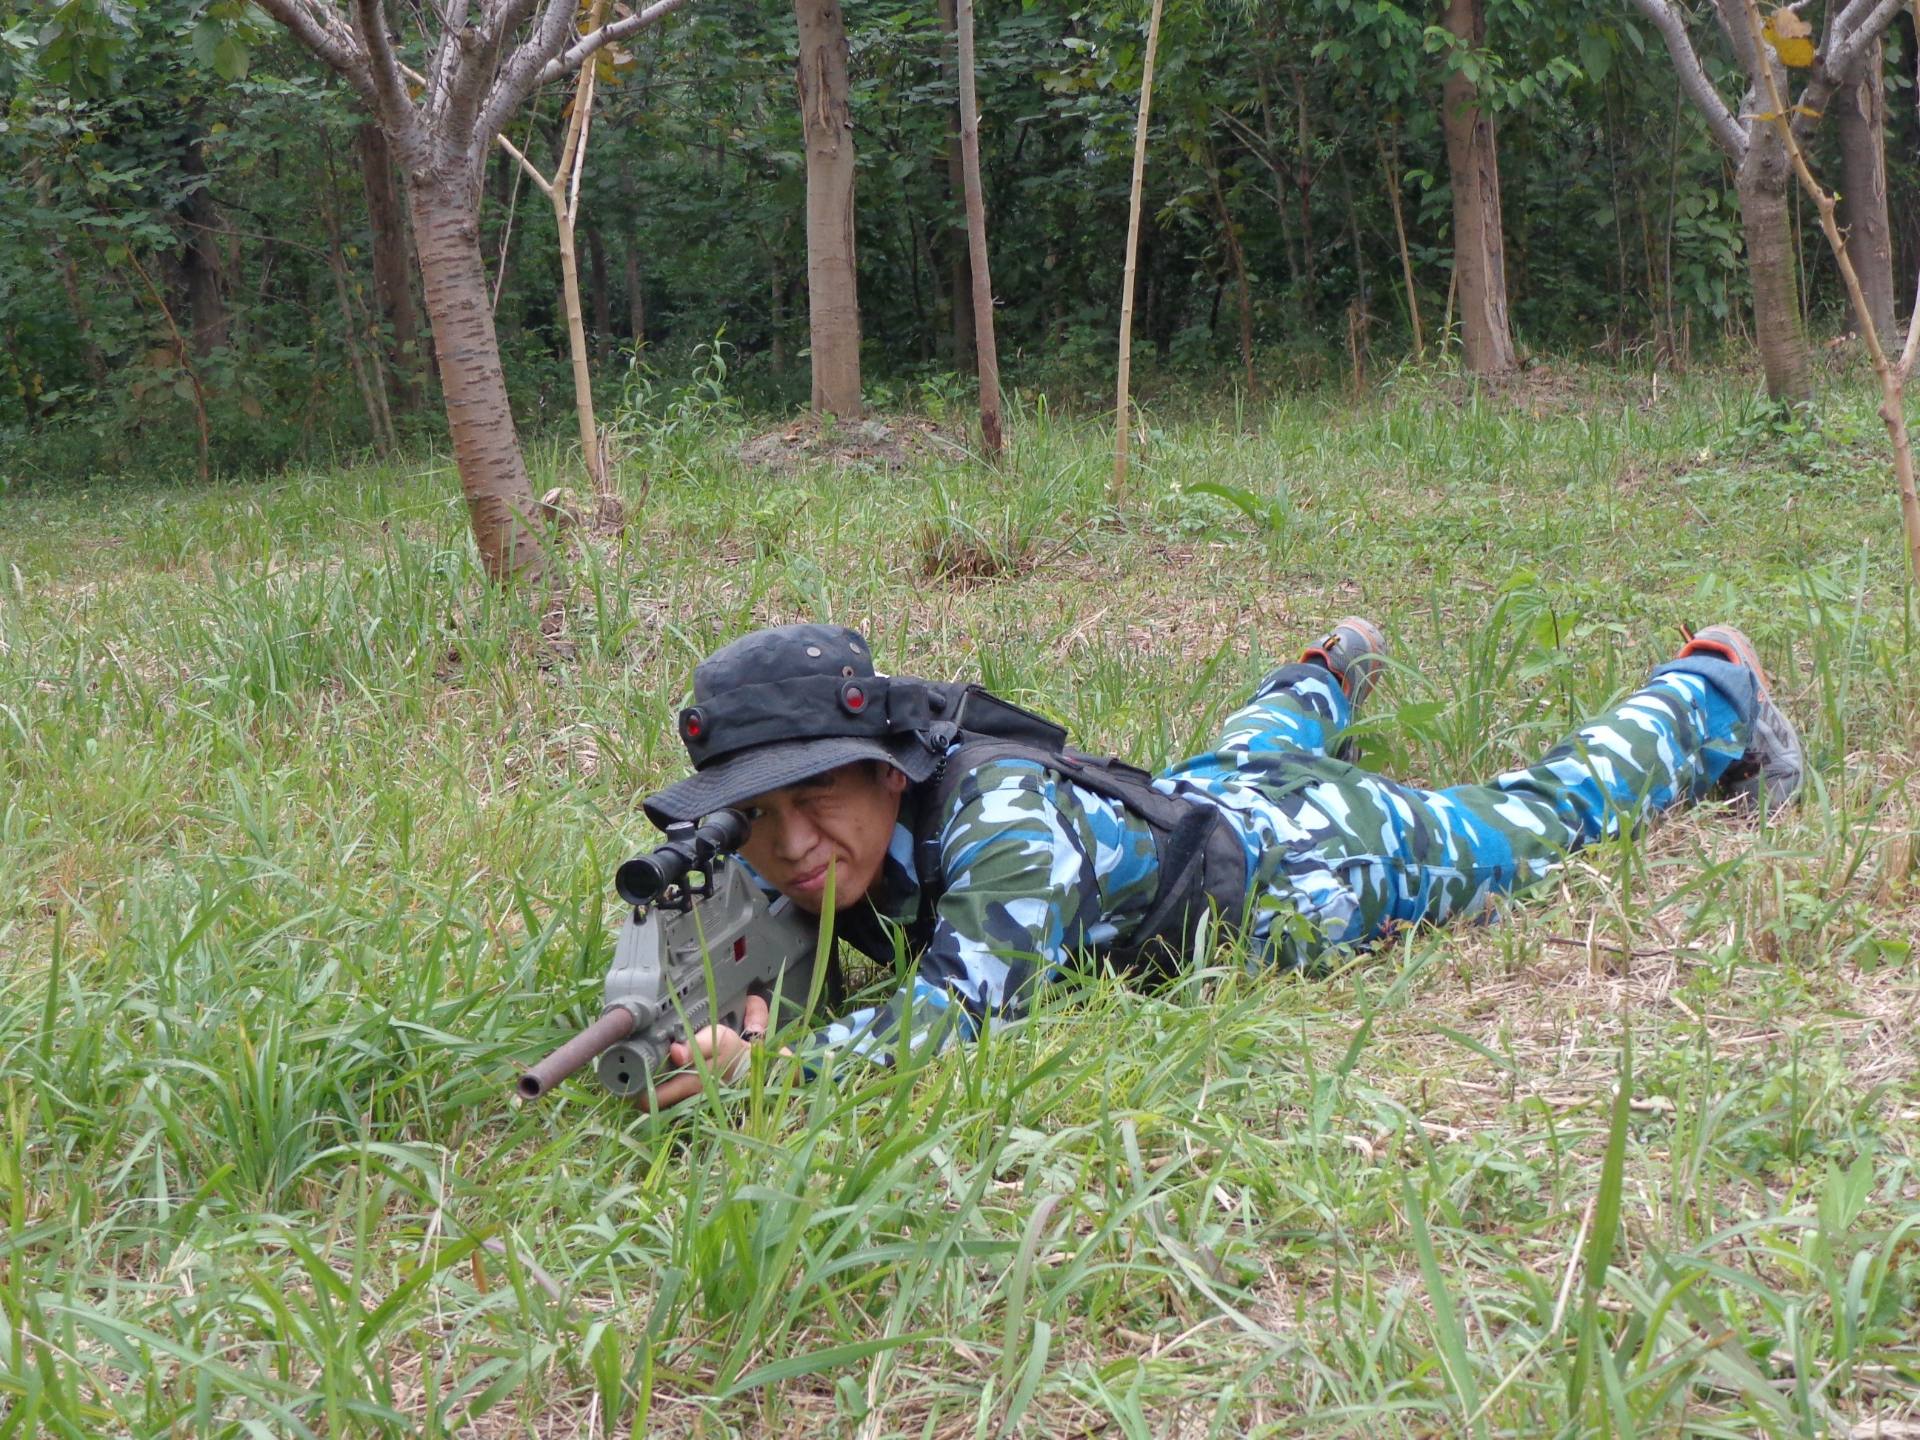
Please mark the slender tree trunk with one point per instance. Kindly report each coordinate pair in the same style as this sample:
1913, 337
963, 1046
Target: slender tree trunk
833, 296
506, 199
392, 263
1303, 182
602, 302
373, 397
636, 295
366, 370
200, 255
1761, 182
991, 439
777, 314
1238, 259
493, 476
959, 281
1390, 165
1861, 112
1479, 256
1123, 406
577, 340
90, 351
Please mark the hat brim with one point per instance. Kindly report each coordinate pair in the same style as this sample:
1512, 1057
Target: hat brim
738, 778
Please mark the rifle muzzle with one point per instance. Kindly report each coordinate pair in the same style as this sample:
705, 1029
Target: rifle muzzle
610, 1029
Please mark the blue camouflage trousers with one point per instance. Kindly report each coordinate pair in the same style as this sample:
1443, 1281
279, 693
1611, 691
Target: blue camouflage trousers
1338, 856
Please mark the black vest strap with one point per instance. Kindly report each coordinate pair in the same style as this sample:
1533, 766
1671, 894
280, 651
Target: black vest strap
1203, 865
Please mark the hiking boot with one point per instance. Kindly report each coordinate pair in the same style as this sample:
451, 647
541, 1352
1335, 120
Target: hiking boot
1354, 651
1774, 765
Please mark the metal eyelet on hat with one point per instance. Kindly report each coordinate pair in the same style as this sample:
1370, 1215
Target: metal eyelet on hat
693, 724
853, 697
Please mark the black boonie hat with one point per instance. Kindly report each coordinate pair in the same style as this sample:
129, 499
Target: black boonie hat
786, 704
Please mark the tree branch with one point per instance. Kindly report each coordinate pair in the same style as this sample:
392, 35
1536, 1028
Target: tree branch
606, 35
1850, 43
1728, 132
321, 30
394, 108
1855, 29
523, 69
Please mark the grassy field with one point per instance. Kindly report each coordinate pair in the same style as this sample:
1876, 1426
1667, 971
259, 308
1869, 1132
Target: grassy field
308, 840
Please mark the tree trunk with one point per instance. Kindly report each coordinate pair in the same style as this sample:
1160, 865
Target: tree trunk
1861, 111
392, 263
1303, 182
833, 297
1479, 257
636, 295
493, 476
505, 199
1238, 258
991, 439
90, 351
777, 315
959, 283
1123, 404
1762, 181
200, 255
1390, 166
602, 302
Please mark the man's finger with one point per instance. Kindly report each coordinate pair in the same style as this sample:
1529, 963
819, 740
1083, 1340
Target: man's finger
674, 1089
753, 1022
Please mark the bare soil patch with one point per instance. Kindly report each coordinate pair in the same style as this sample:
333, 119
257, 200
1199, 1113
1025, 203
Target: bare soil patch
876, 443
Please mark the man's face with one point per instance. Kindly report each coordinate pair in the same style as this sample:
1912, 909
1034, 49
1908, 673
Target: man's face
842, 819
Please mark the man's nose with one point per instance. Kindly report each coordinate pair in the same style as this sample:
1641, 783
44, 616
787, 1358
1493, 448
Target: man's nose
795, 838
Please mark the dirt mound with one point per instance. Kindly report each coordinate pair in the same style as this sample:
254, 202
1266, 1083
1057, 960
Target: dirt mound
872, 444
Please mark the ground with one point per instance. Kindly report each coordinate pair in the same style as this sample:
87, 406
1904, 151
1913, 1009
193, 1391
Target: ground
309, 839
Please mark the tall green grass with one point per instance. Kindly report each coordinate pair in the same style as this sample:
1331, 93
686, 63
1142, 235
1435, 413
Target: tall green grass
307, 839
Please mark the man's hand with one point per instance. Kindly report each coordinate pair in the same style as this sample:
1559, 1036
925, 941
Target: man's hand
723, 1051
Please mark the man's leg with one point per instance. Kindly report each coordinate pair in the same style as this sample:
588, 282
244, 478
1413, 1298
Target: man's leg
1371, 853
1299, 709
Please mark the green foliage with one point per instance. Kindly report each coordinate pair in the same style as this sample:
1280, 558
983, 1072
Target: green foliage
191, 141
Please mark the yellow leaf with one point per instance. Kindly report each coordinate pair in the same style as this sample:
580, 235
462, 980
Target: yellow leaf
1789, 26
1791, 38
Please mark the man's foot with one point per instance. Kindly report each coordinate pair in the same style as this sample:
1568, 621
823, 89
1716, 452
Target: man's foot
1354, 651
1775, 765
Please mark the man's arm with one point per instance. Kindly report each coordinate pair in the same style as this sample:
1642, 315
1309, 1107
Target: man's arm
1032, 870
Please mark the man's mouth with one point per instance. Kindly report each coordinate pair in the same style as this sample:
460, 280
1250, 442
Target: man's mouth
810, 882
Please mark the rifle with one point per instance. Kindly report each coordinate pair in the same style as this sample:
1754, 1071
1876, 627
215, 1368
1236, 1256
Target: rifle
700, 937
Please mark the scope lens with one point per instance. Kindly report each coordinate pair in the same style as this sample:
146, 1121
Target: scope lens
639, 880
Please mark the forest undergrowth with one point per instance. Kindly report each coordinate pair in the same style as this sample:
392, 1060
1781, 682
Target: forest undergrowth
308, 840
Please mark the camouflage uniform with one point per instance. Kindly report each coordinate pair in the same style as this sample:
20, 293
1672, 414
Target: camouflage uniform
1035, 869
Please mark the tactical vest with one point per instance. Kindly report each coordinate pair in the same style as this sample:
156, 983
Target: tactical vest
1202, 863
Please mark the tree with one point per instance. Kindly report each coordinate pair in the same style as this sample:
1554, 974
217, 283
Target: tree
483, 59
1758, 152
833, 292
990, 427
392, 263
1860, 120
1473, 163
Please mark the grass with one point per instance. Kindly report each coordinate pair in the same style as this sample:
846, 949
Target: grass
308, 840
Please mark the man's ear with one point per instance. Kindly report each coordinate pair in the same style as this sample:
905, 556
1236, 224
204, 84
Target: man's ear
894, 781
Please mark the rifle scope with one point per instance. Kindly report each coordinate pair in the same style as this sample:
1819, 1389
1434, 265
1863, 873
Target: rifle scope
643, 879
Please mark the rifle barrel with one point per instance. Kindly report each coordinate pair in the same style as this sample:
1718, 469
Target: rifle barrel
613, 1026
